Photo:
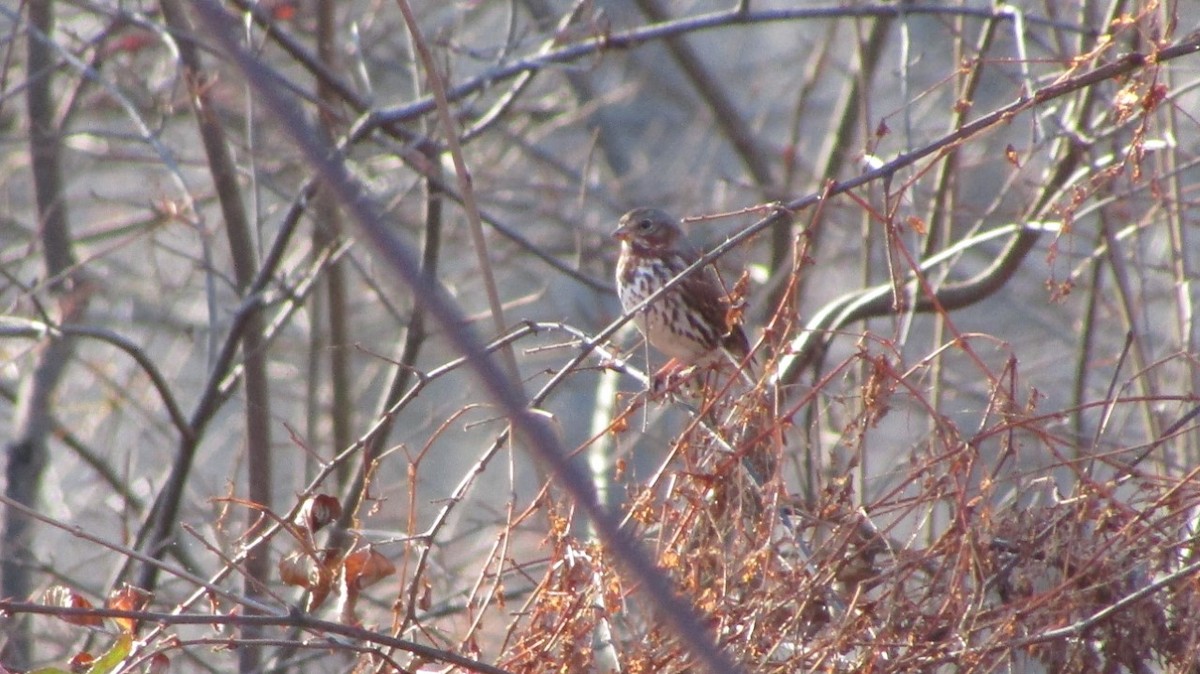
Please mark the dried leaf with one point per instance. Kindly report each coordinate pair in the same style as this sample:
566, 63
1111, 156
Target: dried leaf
365, 567
1010, 153
320, 578
293, 569
318, 510
128, 598
425, 598
159, 664
65, 597
81, 662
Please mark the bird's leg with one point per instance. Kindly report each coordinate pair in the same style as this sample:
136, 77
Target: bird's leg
670, 376
661, 381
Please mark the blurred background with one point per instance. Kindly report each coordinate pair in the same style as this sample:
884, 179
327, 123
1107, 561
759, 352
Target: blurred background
150, 200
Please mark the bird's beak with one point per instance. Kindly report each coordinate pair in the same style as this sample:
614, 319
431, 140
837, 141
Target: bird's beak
621, 234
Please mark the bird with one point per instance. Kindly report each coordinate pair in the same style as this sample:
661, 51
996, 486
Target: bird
689, 323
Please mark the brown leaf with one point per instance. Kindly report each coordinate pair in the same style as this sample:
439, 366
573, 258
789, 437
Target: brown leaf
318, 510
293, 569
1010, 153
65, 597
320, 578
81, 662
159, 664
128, 598
365, 567
425, 599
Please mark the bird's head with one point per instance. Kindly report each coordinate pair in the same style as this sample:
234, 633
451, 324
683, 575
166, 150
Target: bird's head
648, 228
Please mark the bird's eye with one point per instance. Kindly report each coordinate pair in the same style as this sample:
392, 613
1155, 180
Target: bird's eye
645, 224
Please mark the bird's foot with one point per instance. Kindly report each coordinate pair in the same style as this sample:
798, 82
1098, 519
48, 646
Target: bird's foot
672, 378
666, 379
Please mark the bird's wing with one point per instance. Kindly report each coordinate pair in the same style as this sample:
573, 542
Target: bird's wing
703, 291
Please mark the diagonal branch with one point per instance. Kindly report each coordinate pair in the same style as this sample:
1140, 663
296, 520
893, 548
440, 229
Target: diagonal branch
541, 439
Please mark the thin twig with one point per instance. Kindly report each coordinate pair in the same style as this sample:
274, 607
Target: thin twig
648, 34
295, 619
